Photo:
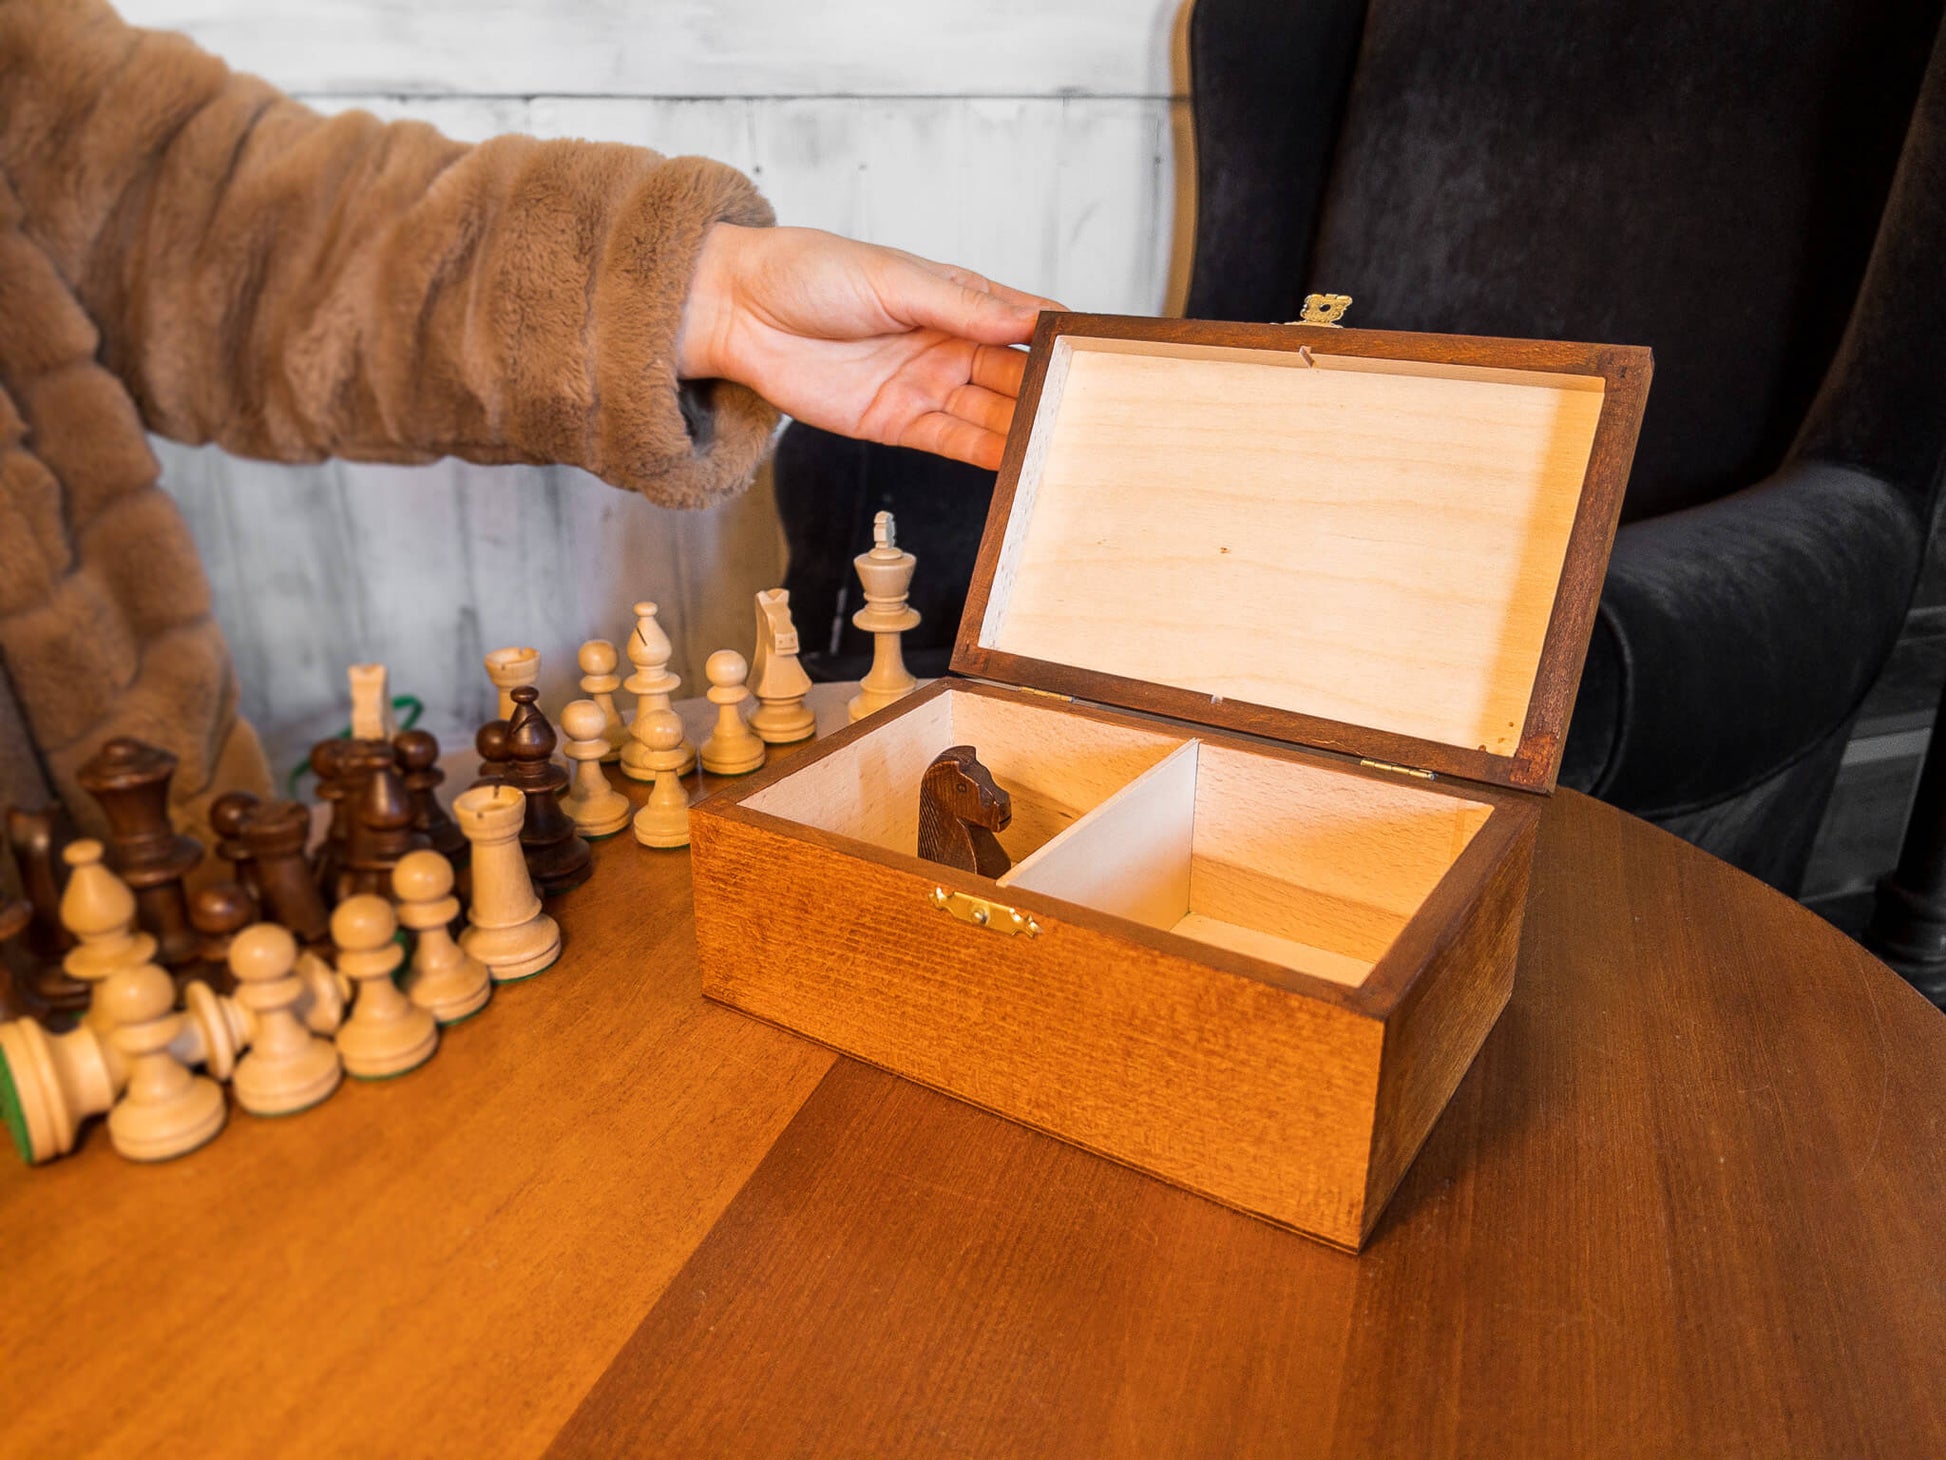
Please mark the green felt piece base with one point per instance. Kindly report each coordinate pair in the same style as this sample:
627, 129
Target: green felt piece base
523, 977
395, 1075
11, 1112
300, 1109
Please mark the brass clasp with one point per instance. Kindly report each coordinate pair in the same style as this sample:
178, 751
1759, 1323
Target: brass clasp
993, 916
1324, 309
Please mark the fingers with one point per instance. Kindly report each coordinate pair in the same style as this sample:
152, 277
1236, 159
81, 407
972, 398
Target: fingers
984, 408
998, 368
945, 435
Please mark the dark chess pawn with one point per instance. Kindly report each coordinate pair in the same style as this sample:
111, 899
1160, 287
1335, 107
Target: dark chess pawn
37, 838
557, 857
418, 754
960, 809
226, 814
328, 765
16, 992
276, 833
381, 828
219, 911
491, 744
131, 781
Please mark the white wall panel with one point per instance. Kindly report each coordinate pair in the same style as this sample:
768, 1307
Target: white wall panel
687, 47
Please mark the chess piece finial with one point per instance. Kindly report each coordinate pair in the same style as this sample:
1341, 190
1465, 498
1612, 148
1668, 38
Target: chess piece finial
596, 808
663, 820
598, 661
509, 669
387, 1034
731, 749
960, 809
275, 832
886, 572
288, 1068
164, 1110
652, 684
418, 756
506, 927
776, 678
371, 703
446, 981
557, 857
130, 780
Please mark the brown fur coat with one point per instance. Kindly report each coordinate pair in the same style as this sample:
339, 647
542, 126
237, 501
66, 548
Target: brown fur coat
183, 249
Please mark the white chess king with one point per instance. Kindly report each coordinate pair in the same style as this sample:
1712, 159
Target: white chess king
886, 571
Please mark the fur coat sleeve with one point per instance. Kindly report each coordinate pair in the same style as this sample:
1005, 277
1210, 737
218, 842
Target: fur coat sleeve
295, 286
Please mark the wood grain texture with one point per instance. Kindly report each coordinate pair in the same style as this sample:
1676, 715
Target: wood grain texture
1687, 1201
407, 1245
1102, 1031
1519, 662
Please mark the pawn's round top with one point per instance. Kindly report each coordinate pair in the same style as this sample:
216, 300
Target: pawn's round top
227, 811
136, 995
491, 741
726, 667
262, 952
96, 901
328, 758
662, 730
220, 909
583, 720
422, 876
417, 749
363, 922
597, 656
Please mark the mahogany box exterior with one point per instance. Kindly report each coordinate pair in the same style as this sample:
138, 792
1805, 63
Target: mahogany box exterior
1272, 642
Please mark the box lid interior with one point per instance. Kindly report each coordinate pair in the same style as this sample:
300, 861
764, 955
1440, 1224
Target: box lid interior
1385, 544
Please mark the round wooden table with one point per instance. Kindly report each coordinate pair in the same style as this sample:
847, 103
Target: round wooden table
1691, 1199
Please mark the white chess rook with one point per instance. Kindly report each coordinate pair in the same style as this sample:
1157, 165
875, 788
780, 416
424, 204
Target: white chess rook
886, 571
371, 703
507, 929
509, 669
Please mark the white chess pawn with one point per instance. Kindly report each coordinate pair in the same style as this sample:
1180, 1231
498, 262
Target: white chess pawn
651, 684
164, 1110
371, 703
731, 749
387, 1034
776, 678
447, 982
509, 669
288, 1068
886, 571
596, 808
663, 820
506, 927
599, 682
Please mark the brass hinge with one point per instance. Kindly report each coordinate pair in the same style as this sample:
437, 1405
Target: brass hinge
993, 916
1398, 770
1323, 309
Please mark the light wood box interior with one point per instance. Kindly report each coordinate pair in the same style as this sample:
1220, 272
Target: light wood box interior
1302, 866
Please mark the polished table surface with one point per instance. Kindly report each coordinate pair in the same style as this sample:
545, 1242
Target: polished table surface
1691, 1199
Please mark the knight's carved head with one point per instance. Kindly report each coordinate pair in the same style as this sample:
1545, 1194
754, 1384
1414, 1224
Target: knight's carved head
968, 789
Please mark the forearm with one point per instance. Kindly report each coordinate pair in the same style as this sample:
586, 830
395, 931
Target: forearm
295, 286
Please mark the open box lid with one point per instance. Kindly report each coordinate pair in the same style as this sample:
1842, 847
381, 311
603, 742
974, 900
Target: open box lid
1385, 544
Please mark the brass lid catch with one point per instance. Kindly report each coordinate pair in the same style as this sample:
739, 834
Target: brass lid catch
993, 916
1324, 310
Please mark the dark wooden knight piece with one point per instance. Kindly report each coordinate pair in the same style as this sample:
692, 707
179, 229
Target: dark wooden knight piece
960, 809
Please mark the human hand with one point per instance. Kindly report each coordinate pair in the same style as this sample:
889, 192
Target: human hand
863, 340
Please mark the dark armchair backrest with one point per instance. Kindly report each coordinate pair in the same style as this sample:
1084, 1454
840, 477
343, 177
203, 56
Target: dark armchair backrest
1706, 179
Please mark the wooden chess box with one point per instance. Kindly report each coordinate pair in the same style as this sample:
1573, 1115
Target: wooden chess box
1272, 643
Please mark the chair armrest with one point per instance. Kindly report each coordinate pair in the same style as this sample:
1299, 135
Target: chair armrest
1735, 635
